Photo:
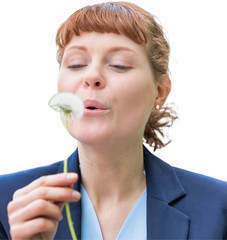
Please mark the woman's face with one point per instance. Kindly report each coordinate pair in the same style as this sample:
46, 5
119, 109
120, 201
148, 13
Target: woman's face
112, 75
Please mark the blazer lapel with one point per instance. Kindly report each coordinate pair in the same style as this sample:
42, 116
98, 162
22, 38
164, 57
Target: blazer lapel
163, 187
165, 222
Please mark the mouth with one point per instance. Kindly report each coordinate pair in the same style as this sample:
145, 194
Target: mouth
91, 108
94, 106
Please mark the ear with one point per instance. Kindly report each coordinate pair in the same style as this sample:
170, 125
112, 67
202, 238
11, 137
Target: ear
163, 90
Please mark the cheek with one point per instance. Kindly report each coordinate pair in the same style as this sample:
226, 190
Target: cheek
140, 95
61, 87
65, 82
69, 83
137, 102
61, 82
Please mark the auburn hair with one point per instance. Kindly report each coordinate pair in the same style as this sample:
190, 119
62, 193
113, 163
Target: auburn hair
140, 26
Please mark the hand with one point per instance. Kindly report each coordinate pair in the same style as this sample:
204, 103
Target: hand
36, 209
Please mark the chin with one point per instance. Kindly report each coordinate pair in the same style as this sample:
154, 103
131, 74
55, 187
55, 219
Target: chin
91, 138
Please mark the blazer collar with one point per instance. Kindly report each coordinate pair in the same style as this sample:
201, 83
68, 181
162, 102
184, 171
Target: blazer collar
163, 188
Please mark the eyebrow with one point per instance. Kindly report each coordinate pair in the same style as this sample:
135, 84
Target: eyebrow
75, 47
121, 48
111, 49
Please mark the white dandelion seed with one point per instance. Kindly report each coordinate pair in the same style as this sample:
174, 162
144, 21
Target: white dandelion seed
68, 104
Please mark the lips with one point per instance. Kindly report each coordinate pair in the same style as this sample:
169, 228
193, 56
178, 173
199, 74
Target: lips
94, 105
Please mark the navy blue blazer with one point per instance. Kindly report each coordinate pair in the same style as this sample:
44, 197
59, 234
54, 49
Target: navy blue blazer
180, 204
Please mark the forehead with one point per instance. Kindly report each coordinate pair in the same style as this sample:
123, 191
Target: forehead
102, 41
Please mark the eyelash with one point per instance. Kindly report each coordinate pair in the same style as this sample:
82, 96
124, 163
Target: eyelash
76, 66
120, 67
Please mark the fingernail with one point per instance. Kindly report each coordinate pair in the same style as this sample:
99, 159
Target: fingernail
71, 175
75, 194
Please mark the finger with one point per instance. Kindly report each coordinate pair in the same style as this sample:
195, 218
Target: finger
38, 208
52, 194
61, 179
27, 230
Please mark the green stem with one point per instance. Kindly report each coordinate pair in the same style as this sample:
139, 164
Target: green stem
66, 120
67, 207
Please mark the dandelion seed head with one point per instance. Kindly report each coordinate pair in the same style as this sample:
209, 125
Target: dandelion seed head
68, 104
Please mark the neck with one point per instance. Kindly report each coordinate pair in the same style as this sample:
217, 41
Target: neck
112, 173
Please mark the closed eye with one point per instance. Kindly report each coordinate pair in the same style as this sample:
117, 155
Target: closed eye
120, 68
76, 66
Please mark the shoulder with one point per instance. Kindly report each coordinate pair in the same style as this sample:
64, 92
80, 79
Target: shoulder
190, 181
30, 174
198, 188
16, 180
205, 196
205, 203
199, 182
203, 191
9, 183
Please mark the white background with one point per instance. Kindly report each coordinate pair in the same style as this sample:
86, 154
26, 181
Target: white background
31, 134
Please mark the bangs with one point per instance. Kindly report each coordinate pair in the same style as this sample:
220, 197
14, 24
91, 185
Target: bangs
107, 17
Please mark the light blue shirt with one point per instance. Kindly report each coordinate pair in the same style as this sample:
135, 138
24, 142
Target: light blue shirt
134, 227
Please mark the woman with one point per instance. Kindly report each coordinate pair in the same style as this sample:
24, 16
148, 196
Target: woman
114, 56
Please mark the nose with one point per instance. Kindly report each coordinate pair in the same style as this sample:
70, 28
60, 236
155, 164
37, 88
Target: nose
94, 79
